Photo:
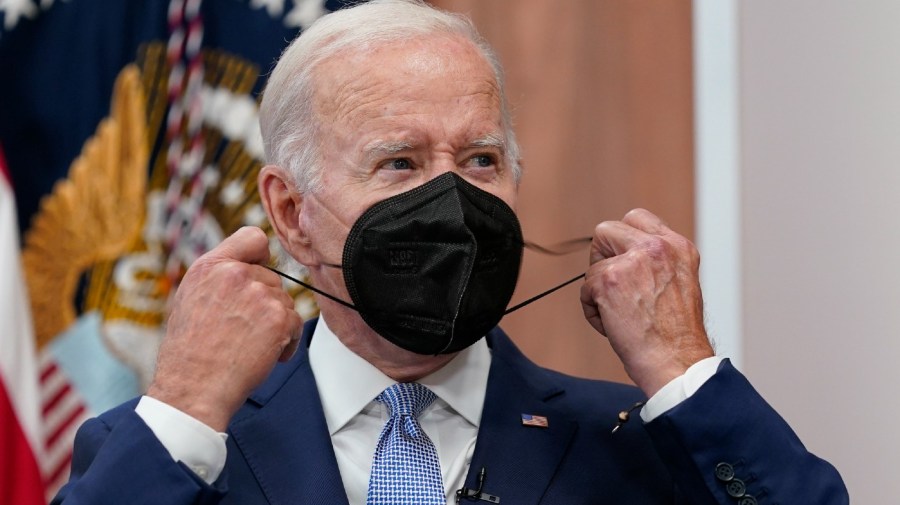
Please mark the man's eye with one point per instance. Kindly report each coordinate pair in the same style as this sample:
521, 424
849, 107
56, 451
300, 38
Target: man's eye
400, 164
483, 160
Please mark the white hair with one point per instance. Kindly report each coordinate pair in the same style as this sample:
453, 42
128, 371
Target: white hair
287, 119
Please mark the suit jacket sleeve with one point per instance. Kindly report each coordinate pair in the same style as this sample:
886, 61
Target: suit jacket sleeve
117, 459
726, 445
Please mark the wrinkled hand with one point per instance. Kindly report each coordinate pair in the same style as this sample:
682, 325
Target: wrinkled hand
230, 322
642, 291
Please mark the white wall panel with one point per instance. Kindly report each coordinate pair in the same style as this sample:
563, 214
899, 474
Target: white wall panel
820, 233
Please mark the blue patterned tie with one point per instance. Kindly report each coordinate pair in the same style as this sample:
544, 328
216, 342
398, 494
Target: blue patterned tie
405, 469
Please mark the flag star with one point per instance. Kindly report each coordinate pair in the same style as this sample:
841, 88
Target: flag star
255, 216
304, 13
238, 114
273, 7
190, 163
306, 307
232, 194
209, 176
13, 10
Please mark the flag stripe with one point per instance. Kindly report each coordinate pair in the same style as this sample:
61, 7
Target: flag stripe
4, 171
61, 450
20, 477
48, 370
51, 386
56, 417
64, 410
70, 420
55, 465
57, 397
60, 473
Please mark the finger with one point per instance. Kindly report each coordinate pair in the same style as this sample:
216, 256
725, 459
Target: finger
646, 221
612, 238
590, 309
289, 350
297, 329
248, 245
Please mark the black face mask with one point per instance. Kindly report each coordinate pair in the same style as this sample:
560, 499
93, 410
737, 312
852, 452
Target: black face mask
433, 269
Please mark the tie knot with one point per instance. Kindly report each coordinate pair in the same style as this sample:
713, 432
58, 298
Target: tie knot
406, 398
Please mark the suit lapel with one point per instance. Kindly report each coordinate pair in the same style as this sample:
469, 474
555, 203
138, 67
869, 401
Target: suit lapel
282, 434
519, 460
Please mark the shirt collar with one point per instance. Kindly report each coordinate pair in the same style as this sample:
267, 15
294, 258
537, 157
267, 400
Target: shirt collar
461, 383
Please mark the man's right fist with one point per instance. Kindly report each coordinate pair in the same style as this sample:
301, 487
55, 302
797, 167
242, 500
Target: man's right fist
230, 322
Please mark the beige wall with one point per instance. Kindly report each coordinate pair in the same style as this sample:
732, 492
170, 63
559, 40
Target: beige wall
602, 97
820, 121
601, 93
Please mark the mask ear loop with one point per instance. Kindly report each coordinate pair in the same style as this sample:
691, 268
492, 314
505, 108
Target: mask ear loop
559, 249
545, 293
313, 289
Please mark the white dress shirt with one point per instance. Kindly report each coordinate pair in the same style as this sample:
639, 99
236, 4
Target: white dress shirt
355, 419
347, 387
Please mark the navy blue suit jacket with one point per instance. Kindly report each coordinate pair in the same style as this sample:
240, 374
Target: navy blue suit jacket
280, 453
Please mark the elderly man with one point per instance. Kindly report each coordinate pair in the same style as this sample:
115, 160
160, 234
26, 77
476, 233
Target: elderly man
393, 176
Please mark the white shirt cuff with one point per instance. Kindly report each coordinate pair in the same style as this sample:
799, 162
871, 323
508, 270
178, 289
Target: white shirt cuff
199, 447
680, 388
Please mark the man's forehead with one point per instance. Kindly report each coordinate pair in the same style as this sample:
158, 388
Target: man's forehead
451, 46
390, 69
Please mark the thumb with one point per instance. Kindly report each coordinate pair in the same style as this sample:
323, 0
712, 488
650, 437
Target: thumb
248, 245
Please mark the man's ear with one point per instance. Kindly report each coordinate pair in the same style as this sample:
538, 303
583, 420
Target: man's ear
283, 203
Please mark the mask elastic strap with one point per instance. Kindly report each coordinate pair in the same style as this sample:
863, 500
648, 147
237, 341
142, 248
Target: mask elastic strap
545, 293
311, 288
558, 249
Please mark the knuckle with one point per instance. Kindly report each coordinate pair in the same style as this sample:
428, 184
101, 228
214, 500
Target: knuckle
257, 293
231, 272
296, 323
603, 228
604, 231
682, 243
273, 306
657, 248
693, 254
684, 248
611, 276
636, 213
287, 301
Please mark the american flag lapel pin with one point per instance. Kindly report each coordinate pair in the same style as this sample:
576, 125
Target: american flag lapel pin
533, 420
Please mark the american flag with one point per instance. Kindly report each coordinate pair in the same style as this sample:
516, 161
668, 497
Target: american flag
533, 420
20, 426
91, 346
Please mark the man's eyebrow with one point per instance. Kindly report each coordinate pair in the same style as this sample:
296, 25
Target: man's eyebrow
387, 147
490, 140
382, 147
